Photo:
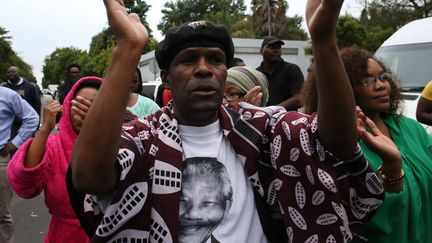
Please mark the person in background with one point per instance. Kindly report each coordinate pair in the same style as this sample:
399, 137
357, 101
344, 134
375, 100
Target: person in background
140, 105
134, 177
27, 90
308, 93
73, 75
12, 107
236, 61
240, 81
285, 79
406, 173
41, 162
424, 106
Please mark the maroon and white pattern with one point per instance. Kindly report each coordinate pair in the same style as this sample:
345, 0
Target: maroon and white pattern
130, 236
125, 158
159, 229
290, 170
297, 218
254, 179
321, 198
166, 178
300, 195
119, 213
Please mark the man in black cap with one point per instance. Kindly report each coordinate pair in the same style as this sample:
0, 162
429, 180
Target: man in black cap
285, 79
137, 185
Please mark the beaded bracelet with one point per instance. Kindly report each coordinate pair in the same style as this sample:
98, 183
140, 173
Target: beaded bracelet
392, 180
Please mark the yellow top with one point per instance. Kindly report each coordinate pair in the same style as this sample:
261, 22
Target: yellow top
427, 91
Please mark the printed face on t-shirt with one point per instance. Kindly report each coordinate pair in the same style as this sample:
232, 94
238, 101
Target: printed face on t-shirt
205, 200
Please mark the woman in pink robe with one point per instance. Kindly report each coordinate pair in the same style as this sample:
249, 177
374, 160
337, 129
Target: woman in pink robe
41, 162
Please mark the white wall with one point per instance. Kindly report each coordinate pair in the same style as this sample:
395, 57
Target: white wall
246, 49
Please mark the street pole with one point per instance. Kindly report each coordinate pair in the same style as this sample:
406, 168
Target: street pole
269, 17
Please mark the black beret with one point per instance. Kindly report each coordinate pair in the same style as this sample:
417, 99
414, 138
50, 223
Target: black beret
193, 34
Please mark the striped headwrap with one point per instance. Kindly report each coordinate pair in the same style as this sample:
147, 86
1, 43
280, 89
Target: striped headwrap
246, 78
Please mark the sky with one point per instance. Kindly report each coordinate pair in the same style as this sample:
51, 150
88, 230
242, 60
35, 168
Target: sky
39, 27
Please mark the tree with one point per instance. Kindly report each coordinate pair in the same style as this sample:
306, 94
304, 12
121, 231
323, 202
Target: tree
141, 8
101, 41
293, 29
8, 58
417, 8
260, 16
106, 40
243, 28
227, 12
55, 65
281, 26
350, 32
381, 18
98, 64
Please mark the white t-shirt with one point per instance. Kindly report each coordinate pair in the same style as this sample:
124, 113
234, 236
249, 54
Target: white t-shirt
239, 222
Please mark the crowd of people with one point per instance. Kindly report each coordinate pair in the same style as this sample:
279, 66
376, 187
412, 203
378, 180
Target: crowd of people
230, 153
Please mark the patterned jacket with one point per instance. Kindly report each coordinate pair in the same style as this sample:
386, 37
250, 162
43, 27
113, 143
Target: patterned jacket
321, 198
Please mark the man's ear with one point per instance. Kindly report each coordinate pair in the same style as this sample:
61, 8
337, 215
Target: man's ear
164, 77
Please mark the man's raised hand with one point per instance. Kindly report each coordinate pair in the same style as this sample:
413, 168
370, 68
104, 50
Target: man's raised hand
127, 28
321, 17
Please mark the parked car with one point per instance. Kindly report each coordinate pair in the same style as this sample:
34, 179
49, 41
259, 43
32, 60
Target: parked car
150, 89
408, 54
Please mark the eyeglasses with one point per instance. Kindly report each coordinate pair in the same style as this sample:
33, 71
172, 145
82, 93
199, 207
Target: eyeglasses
383, 77
233, 96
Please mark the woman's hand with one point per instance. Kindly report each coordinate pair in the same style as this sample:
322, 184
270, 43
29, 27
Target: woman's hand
376, 140
49, 114
254, 96
80, 107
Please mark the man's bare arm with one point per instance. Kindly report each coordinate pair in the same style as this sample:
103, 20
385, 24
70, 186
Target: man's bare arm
336, 104
292, 103
95, 152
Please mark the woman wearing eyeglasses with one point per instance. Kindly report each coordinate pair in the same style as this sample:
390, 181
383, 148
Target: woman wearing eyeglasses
406, 173
240, 81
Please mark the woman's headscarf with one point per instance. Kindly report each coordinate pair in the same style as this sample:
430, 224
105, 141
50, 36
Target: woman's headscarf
246, 78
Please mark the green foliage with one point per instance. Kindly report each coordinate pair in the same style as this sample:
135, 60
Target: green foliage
376, 38
412, 9
382, 16
102, 41
151, 45
227, 12
98, 64
55, 65
243, 28
100, 52
140, 8
8, 58
293, 29
350, 32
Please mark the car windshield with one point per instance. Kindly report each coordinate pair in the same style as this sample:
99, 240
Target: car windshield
411, 63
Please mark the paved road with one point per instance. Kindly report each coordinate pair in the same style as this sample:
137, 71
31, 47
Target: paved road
31, 219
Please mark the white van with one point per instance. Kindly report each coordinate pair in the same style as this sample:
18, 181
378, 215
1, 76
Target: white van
408, 53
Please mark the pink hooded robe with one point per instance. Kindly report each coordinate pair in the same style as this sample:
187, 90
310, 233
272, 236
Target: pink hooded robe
49, 176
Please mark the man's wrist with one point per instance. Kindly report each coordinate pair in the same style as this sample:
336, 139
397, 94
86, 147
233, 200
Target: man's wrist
128, 49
